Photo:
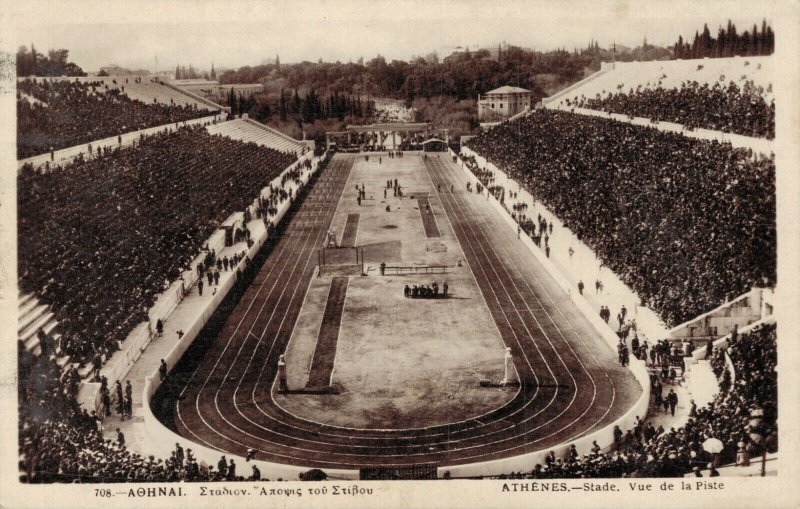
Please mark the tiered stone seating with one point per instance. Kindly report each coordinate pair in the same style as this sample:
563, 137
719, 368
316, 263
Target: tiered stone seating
672, 73
71, 114
121, 256
149, 91
35, 316
639, 198
246, 131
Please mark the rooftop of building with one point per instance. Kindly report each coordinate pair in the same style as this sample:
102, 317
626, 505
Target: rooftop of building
508, 90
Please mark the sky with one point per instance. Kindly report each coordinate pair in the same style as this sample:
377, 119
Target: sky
158, 34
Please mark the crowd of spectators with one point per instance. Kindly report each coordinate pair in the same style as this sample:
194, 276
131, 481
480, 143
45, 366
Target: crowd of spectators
100, 238
66, 113
60, 442
731, 109
685, 223
646, 451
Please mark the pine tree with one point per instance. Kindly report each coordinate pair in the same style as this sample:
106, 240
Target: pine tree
277, 61
213, 72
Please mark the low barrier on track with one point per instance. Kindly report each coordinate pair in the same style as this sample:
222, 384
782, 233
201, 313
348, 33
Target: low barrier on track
421, 269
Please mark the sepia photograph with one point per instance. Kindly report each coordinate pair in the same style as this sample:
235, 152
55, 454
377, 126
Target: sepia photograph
312, 254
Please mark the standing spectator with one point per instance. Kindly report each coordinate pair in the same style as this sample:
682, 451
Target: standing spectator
672, 399
222, 467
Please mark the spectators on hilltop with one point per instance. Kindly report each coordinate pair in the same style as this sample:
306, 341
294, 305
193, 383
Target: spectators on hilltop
66, 113
685, 223
730, 109
99, 239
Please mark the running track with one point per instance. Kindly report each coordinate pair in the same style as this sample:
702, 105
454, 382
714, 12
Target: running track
572, 384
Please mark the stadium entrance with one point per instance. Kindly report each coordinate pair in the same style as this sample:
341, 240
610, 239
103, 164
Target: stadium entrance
380, 137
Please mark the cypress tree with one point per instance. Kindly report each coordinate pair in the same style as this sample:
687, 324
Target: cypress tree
34, 63
679, 48
756, 41
283, 107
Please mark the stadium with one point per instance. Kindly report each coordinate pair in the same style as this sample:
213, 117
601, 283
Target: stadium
581, 289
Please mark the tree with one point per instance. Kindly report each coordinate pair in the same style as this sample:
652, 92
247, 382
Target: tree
295, 110
728, 43
720, 47
679, 48
282, 110
768, 46
24, 64
232, 101
56, 63
213, 72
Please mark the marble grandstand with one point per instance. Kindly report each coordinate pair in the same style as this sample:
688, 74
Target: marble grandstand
614, 77
148, 89
715, 328
248, 130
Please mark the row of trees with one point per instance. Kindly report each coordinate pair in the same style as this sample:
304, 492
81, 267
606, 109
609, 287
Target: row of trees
190, 73
299, 109
55, 63
313, 107
728, 43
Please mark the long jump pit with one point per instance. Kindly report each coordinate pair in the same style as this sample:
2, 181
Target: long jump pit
362, 355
